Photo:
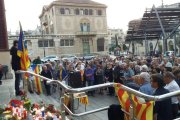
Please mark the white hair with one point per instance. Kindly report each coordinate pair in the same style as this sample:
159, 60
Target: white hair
145, 76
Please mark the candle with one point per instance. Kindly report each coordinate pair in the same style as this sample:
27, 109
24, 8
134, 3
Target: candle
25, 114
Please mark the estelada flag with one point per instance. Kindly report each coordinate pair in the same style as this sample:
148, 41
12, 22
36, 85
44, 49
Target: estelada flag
37, 80
143, 111
22, 51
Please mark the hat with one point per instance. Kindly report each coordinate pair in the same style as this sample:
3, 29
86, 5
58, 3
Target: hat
169, 65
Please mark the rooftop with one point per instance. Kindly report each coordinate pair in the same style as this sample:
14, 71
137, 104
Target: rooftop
149, 24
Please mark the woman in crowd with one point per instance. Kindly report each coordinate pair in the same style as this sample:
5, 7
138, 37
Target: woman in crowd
89, 74
162, 109
99, 77
61, 73
109, 77
46, 73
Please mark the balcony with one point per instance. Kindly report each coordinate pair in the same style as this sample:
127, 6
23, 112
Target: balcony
91, 33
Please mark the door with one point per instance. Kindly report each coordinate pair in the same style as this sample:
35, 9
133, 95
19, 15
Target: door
86, 47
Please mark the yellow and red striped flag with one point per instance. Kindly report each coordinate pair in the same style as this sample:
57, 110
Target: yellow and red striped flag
123, 99
143, 111
37, 80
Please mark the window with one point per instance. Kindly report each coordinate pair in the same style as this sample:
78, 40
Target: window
82, 12
51, 43
77, 11
99, 12
62, 11
100, 44
67, 42
85, 27
90, 12
86, 12
40, 43
88, 27
46, 43
67, 11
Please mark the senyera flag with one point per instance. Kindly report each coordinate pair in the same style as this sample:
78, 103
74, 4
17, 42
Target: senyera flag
143, 111
37, 80
22, 51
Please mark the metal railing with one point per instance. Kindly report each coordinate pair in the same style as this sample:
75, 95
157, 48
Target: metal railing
89, 88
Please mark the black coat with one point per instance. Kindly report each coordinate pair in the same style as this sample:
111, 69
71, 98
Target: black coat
15, 61
109, 74
163, 108
46, 74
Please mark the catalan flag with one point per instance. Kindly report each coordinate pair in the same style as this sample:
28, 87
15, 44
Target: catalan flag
22, 51
37, 80
143, 111
124, 100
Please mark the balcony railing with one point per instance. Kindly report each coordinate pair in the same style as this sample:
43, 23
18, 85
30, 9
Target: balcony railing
92, 33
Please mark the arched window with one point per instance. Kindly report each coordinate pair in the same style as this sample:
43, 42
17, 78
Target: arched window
82, 12
90, 12
85, 25
77, 11
62, 11
86, 12
171, 46
67, 11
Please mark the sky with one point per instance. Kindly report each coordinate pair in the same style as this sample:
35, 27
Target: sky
119, 12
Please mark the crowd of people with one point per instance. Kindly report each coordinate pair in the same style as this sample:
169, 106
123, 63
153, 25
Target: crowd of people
152, 76
149, 75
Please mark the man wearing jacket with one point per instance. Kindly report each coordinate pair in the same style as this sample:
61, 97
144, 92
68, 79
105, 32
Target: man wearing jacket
15, 62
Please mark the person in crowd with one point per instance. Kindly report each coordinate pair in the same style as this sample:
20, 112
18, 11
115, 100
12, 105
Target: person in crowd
89, 74
172, 86
115, 113
99, 77
128, 74
37, 60
162, 68
46, 73
144, 82
1, 74
61, 73
162, 109
137, 70
144, 68
168, 67
177, 75
116, 72
15, 63
108, 76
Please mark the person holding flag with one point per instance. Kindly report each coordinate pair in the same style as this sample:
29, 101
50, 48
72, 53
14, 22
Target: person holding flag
20, 59
15, 63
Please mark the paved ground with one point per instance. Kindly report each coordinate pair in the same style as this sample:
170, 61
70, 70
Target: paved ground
7, 93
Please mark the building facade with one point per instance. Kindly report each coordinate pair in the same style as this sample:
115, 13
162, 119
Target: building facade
75, 26
112, 33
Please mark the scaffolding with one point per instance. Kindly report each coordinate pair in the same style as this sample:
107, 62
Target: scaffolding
156, 23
